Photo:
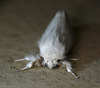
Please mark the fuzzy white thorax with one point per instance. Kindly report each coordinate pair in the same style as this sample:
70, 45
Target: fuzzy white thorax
51, 49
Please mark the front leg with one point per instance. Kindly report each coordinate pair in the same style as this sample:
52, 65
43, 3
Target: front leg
69, 67
29, 65
32, 60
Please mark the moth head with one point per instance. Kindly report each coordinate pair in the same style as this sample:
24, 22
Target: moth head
50, 63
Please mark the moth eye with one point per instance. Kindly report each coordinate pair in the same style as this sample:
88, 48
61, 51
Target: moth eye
58, 61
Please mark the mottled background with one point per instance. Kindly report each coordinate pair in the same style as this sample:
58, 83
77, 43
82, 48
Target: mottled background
22, 23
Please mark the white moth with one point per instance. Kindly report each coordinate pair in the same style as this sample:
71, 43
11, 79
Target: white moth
54, 45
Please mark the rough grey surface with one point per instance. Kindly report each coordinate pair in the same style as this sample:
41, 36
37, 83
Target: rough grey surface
22, 24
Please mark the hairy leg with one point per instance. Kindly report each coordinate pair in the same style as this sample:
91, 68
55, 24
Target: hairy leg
69, 67
32, 60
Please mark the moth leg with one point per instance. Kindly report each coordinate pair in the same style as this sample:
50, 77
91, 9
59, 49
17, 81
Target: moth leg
29, 65
32, 60
69, 67
75, 59
20, 59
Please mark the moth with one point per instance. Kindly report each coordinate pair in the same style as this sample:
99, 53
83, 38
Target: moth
54, 45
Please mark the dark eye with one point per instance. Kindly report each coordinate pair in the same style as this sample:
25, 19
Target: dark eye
58, 61
47, 61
